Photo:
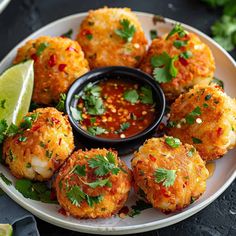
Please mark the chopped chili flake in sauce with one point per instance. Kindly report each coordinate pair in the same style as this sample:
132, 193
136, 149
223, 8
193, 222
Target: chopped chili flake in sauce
119, 115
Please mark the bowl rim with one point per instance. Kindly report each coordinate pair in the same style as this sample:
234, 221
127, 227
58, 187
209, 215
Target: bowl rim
93, 76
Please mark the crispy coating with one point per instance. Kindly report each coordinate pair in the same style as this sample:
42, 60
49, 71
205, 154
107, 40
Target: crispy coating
104, 47
191, 174
56, 66
198, 69
113, 197
48, 143
214, 127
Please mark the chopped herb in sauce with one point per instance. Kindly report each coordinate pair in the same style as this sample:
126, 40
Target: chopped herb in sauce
196, 140
127, 31
153, 34
146, 95
164, 176
131, 96
96, 130
68, 34
123, 127
76, 114
172, 142
164, 68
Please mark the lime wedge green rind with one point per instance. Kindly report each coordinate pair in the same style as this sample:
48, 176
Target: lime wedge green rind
6, 230
16, 87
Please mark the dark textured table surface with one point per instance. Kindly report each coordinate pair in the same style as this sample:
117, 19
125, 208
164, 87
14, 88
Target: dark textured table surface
22, 17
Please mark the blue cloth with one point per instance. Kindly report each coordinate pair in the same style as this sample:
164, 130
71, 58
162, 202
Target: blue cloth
23, 222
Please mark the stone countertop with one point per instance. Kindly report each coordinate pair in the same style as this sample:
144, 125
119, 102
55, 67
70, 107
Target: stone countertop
22, 17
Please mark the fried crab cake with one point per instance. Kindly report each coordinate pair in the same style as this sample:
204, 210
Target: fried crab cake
179, 61
93, 184
41, 144
206, 118
112, 37
57, 63
170, 175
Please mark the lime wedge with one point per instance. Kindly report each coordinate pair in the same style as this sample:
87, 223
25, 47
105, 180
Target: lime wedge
6, 230
16, 87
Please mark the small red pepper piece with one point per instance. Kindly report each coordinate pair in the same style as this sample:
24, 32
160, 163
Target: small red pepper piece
52, 60
59, 143
55, 120
61, 67
152, 158
34, 57
183, 61
219, 131
36, 127
71, 49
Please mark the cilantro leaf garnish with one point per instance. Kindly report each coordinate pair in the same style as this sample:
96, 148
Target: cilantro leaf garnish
218, 82
164, 176
172, 142
61, 104
68, 34
131, 96
178, 29
190, 117
34, 190
92, 99
139, 206
5, 179
3, 129
179, 43
76, 195
153, 34
28, 121
196, 140
191, 152
127, 31
186, 54
12, 130
96, 130
76, 114
164, 68
146, 95
123, 127
99, 183
104, 164
41, 48
3, 103
80, 170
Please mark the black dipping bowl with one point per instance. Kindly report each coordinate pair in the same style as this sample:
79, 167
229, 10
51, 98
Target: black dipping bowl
125, 145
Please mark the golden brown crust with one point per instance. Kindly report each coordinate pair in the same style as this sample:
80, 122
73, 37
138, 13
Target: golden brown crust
199, 68
59, 64
114, 197
191, 174
48, 143
217, 126
106, 48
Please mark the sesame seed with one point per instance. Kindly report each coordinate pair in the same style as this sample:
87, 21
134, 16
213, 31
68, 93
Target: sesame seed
178, 126
199, 120
122, 136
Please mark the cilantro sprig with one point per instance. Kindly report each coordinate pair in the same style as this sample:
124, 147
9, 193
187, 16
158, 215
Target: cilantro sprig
164, 67
96, 130
104, 164
164, 176
177, 29
61, 104
131, 96
77, 196
127, 30
124, 126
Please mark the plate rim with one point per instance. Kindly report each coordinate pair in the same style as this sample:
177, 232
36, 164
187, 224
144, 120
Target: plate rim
119, 229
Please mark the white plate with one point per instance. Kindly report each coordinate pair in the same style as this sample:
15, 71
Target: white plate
3, 4
149, 219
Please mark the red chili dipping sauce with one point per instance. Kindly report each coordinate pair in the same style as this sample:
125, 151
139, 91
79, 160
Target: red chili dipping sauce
114, 108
